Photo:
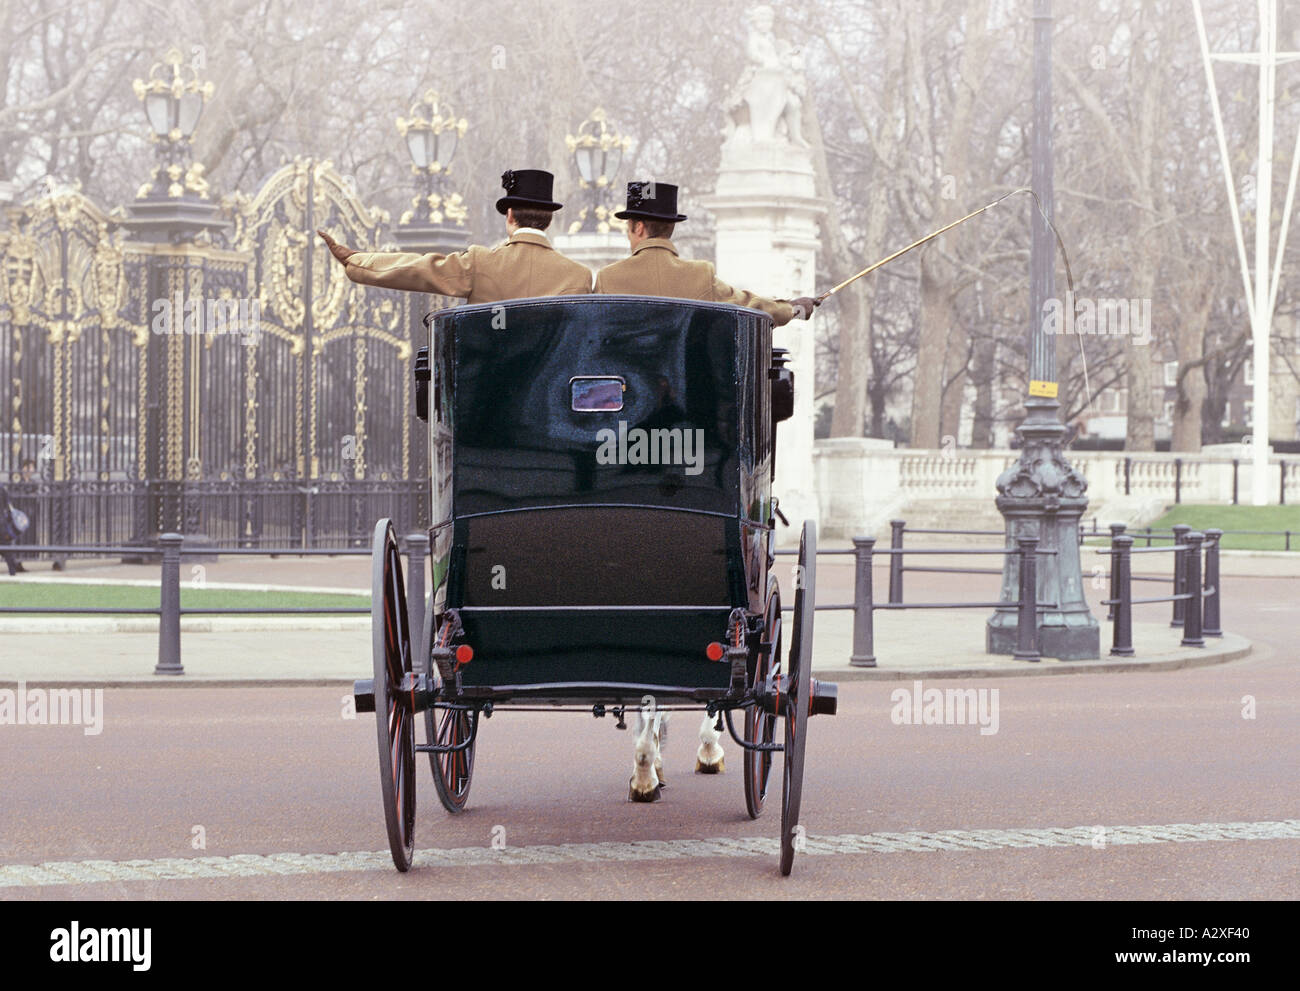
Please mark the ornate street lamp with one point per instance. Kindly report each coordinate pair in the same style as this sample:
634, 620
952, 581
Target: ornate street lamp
1042, 495
597, 151
432, 132
173, 105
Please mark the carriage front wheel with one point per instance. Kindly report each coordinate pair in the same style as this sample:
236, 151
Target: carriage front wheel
394, 693
799, 694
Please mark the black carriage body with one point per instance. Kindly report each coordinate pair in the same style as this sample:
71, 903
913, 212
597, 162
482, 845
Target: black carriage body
593, 553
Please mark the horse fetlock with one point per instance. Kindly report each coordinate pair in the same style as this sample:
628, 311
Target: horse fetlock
709, 758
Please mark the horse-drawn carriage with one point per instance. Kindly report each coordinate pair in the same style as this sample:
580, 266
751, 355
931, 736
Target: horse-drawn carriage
603, 539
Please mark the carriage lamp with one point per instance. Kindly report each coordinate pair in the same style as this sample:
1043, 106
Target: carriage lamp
432, 132
597, 151
173, 98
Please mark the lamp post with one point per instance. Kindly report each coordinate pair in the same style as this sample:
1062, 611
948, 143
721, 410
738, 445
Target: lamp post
174, 202
436, 219
1042, 495
597, 151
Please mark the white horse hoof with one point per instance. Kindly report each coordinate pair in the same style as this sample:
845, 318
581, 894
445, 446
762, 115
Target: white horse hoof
653, 795
709, 759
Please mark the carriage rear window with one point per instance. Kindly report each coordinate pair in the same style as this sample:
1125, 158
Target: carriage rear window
593, 394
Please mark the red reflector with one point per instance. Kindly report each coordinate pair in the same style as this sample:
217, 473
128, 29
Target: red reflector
464, 654
714, 651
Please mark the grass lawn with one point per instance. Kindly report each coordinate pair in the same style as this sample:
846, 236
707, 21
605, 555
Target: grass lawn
75, 596
1228, 518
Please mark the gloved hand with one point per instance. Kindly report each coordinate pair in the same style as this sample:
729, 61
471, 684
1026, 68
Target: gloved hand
336, 249
804, 306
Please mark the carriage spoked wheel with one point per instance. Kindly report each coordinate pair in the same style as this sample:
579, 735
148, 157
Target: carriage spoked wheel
760, 726
394, 705
799, 689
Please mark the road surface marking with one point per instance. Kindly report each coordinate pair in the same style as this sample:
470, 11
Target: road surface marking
954, 840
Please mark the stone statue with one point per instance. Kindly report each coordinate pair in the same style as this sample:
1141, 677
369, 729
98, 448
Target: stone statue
766, 105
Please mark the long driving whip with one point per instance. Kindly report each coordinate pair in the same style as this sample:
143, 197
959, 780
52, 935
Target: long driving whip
1069, 276
947, 227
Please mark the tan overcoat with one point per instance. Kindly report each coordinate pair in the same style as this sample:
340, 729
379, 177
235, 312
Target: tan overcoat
654, 269
526, 265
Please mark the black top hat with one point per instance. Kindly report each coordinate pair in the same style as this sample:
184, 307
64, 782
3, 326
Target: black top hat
527, 188
651, 201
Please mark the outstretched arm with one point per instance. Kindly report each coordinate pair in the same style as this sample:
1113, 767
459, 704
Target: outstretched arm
780, 310
448, 275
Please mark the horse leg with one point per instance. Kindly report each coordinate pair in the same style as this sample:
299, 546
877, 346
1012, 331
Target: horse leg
709, 758
646, 784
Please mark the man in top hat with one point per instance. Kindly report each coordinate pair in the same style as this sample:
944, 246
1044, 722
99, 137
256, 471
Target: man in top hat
653, 269
525, 265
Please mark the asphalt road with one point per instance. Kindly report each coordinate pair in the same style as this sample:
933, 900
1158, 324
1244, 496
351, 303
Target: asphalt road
219, 774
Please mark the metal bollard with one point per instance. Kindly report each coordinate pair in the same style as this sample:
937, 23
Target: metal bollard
1192, 569
896, 561
169, 607
1027, 619
1210, 617
863, 605
1181, 530
417, 551
1122, 639
1115, 530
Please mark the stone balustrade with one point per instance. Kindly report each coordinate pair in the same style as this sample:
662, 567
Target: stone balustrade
863, 482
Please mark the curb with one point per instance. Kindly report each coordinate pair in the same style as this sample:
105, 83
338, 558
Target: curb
1232, 647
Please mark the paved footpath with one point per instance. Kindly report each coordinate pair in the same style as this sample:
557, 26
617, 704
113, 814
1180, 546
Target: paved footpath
329, 650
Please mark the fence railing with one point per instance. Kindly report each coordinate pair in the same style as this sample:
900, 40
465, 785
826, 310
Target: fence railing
1196, 598
1162, 468
231, 513
864, 605
169, 609
1149, 534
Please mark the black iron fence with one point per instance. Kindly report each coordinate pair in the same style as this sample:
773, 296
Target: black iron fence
230, 513
1196, 597
167, 551
864, 604
1196, 600
1149, 534
1129, 462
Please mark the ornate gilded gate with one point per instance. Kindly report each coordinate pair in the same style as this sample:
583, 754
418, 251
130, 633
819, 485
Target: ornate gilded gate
73, 353
237, 387
326, 384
